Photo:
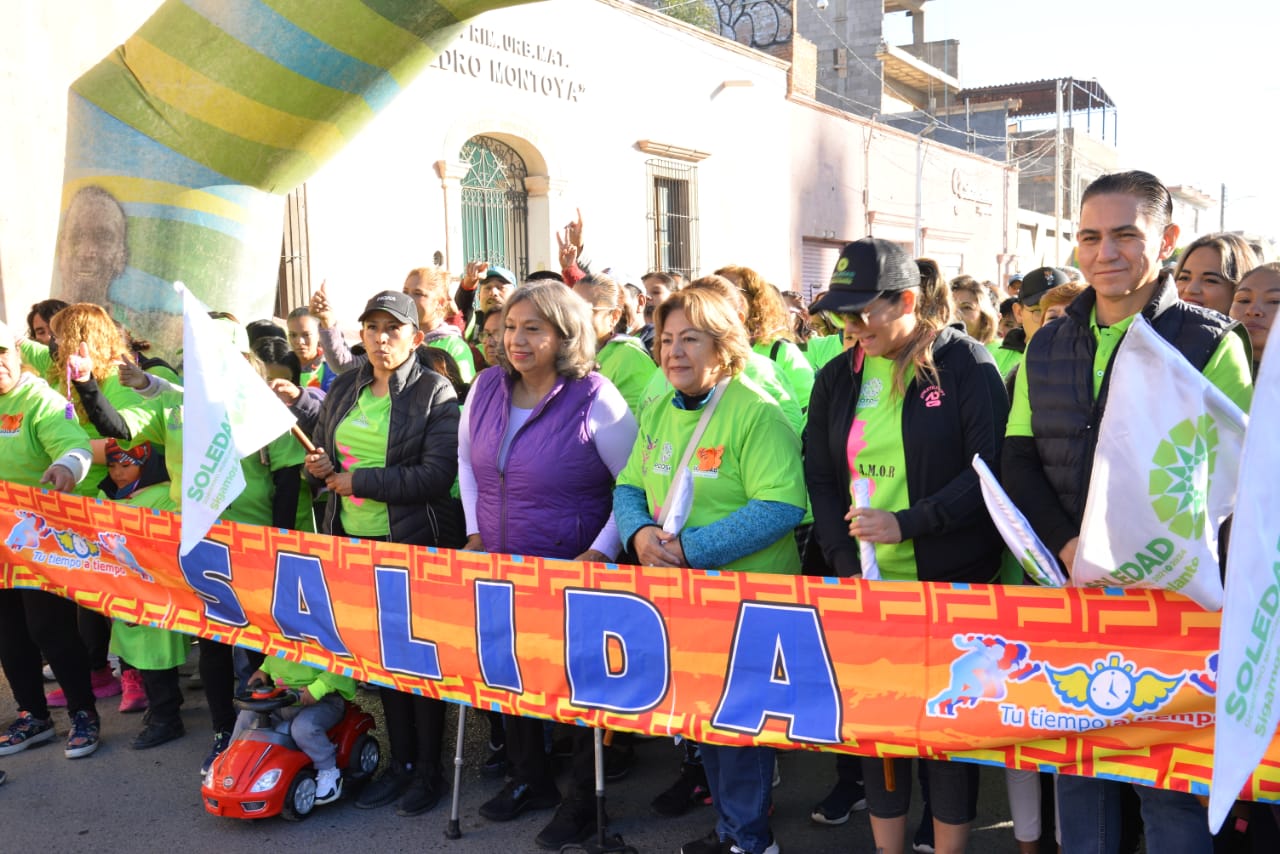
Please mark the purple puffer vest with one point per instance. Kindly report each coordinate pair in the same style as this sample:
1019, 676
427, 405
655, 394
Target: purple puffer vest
555, 494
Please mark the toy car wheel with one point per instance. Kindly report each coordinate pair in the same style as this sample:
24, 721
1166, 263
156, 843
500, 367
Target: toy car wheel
300, 800
366, 753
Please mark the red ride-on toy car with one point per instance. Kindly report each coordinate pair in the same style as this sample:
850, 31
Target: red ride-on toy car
263, 773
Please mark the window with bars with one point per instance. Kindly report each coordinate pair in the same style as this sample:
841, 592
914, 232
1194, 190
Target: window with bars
673, 217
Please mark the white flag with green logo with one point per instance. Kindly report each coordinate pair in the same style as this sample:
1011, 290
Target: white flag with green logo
1164, 475
1246, 705
229, 412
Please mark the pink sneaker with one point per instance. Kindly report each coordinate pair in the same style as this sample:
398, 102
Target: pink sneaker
133, 697
105, 684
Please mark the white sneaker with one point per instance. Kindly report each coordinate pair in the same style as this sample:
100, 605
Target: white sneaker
328, 786
773, 848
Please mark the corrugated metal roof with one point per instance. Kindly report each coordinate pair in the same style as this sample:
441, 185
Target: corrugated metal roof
1037, 96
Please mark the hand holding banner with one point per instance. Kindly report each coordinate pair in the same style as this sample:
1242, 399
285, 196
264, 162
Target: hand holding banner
1164, 475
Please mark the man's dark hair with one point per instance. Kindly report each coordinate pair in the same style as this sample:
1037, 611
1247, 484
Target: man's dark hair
666, 278
46, 309
1153, 197
538, 275
260, 329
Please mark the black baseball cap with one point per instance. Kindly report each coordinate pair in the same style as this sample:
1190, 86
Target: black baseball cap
398, 304
1039, 281
867, 268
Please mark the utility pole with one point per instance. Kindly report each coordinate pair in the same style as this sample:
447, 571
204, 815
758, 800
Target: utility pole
1057, 176
1222, 209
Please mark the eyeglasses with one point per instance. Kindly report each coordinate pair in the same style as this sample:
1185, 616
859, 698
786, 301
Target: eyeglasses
878, 309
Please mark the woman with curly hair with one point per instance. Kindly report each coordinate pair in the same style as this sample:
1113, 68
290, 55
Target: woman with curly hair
89, 323
769, 329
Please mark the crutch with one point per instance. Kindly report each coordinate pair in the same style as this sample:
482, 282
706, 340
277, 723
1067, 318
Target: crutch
453, 831
604, 843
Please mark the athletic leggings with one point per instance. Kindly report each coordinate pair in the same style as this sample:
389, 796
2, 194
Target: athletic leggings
33, 622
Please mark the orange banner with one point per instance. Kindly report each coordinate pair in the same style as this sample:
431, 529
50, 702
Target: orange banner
1099, 682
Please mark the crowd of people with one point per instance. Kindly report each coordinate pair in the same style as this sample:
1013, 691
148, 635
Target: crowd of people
563, 417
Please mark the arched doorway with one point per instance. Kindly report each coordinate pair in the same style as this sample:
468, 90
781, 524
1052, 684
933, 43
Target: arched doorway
495, 205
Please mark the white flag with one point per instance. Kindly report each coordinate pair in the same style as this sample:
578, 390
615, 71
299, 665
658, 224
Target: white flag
1164, 475
1249, 657
1034, 556
228, 413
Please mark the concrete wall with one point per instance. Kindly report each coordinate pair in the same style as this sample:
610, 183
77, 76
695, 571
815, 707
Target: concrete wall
854, 178
650, 79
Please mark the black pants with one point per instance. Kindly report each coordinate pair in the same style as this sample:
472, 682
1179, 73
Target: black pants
33, 622
415, 730
164, 697
218, 673
527, 753
95, 631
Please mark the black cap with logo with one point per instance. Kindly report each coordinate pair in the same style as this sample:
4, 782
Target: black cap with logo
867, 268
395, 303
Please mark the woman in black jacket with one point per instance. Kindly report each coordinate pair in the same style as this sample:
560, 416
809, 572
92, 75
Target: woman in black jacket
387, 437
906, 408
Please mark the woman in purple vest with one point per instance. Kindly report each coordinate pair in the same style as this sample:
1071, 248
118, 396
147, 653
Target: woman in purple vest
540, 442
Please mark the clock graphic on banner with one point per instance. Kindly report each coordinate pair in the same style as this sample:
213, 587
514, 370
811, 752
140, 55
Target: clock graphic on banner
1113, 686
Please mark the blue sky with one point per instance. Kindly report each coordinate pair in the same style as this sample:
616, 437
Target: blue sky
1195, 83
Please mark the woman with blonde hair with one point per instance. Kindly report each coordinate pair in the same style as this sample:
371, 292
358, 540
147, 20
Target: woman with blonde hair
741, 519
973, 307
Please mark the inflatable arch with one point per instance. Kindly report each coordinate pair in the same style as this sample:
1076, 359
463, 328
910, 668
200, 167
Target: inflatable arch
183, 141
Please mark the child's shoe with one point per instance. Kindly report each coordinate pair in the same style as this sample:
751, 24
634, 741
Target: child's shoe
328, 786
133, 696
104, 683
25, 732
85, 734
155, 733
221, 740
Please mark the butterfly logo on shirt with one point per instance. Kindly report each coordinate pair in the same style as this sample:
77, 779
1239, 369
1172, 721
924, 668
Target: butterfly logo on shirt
709, 460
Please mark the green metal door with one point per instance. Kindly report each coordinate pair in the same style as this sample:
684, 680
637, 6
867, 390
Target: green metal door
495, 205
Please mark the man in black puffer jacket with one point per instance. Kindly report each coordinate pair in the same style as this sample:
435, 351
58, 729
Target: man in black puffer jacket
1125, 230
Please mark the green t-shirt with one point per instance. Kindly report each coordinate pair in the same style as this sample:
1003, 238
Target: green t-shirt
158, 420
35, 431
626, 363
314, 379
759, 369
319, 682
253, 506
36, 357
361, 440
822, 349
876, 453
1006, 360
456, 347
793, 365
1228, 369
747, 452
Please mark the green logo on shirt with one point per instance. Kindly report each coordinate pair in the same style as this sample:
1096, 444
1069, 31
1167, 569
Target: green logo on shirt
1179, 483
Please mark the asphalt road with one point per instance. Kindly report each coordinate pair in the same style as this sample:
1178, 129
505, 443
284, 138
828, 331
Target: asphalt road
126, 800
